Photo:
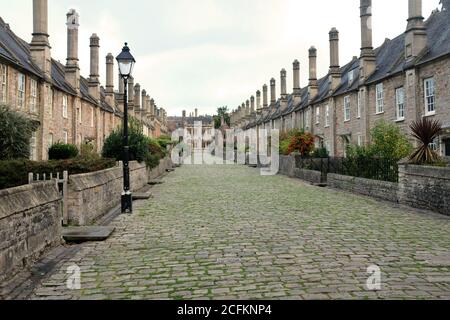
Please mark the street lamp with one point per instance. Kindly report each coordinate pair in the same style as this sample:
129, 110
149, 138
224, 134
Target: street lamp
126, 63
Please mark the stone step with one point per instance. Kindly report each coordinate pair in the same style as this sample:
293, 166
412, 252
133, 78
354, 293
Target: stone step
155, 182
170, 170
142, 195
85, 234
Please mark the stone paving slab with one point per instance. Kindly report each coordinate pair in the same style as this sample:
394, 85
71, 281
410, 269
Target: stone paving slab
225, 232
87, 233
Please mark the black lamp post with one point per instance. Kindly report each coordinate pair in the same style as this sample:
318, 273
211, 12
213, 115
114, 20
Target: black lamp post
126, 63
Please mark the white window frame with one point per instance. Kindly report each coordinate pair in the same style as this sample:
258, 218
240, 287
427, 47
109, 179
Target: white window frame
435, 145
347, 113
33, 95
65, 106
92, 117
327, 116
400, 103
379, 95
317, 115
358, 111
65, 136
33, 147
21, 89
4, 83
351, 77
429, 90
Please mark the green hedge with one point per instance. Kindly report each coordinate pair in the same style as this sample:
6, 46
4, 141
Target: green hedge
15, 172
61, 151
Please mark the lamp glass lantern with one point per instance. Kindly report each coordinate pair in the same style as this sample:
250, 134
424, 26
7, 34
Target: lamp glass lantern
126, 62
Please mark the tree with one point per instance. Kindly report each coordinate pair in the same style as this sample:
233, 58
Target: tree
426, 131
138, 143
222, 112
15, 134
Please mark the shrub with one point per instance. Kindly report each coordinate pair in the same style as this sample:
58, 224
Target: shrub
138, 143
426, 131
320, 153
163, 142
284, 147
61, 151
302, 143
87, 152
14, 173
388, 142
15, 134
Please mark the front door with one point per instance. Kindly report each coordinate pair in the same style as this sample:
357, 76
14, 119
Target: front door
447, 147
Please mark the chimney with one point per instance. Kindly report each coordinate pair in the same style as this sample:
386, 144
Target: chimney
184, 114
284, 96
297, 91
131, 93
137, 96
109, 75
94, 82
313, 87
196, 113
265, 97
258, 101
335, 72
152, 106
72, 68
40, 46
416, 32
144, 100
243, 111
367, 60
273, 93
247, 108
252, 104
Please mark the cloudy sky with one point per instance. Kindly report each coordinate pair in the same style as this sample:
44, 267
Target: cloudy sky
208, 53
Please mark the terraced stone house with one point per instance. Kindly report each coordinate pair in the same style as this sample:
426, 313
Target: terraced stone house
404, 79
66, 106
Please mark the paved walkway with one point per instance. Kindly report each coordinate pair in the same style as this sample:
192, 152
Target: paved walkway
225, 232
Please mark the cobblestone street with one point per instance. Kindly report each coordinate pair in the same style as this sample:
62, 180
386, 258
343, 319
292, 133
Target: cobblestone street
225, 232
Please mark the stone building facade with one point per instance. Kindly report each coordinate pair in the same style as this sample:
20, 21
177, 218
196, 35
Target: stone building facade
404, 79
67, 107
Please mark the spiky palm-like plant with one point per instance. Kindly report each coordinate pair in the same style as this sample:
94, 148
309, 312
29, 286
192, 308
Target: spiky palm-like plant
425, 131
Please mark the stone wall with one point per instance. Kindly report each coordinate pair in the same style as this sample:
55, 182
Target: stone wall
425, 187
30, 223
287, 166
94, 194
373, 188
164, 164
315, 177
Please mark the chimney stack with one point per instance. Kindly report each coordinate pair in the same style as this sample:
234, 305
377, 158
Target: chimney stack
247, 108
109, 75
334, 59
297, 89
196, 113
72, 68
40, 46
313, 87
144, 100
94, 82
137, 96
284, 96
367, 61
252, 104
416, 33
273, 93
184, 114
131, 92
258, 101
265, 97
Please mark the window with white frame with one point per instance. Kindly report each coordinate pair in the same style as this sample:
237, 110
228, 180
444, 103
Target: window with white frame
347, 108
65, 136
350, 77
50, 102
92, 117
33, 95
430, 98
360, 140
327, 116
434, 145
64, 106
317, 115
49, 140
358, 110
3, 83
20, 90
400, 103
380, 98
33, 147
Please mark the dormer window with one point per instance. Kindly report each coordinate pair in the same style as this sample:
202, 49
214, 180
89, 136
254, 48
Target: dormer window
351, 77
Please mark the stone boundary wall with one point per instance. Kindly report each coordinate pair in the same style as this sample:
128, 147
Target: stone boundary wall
425, 187
378, 189
314, 177
287, 166
30, 223
92, 195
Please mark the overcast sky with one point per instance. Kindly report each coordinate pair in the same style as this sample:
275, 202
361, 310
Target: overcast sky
208, 53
